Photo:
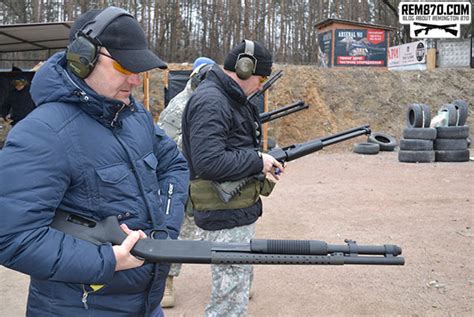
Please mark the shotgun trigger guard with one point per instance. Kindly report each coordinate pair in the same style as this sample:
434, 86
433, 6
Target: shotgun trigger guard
81, 220
154, 234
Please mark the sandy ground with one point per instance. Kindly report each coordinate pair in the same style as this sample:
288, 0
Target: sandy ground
427, 209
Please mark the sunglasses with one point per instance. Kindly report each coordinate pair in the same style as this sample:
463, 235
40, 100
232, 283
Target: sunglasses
263, 79
117, 65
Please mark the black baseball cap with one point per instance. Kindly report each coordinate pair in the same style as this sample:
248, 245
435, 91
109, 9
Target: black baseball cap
124, 39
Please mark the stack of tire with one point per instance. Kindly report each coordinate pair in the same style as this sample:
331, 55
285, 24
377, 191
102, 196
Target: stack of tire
451, 143
416, 146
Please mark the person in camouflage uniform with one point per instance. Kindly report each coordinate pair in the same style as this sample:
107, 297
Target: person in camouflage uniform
170, 122
228, 279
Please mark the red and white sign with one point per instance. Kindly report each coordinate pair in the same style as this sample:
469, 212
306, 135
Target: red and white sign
375, 36
407, 54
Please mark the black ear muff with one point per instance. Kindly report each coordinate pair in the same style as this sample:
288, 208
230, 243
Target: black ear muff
83, 52
81, 56
246, 62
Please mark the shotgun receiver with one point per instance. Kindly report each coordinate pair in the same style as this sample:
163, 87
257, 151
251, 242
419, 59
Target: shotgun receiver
258, 251
229, 189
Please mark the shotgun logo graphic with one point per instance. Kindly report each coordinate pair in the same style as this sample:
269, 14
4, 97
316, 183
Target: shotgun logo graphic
435, 19
429, 27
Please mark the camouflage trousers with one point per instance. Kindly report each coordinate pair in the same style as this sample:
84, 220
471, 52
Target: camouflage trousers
230, 283
189, 231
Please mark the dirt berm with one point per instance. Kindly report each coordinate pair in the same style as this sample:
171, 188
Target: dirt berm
343, 98
340, 99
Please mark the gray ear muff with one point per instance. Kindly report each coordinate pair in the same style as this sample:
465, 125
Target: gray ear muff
246, 62
244, 68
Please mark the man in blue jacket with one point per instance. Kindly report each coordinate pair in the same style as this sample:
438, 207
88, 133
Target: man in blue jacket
90, 148
221, 141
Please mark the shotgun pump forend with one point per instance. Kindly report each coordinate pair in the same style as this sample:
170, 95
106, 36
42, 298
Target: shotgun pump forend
258, 251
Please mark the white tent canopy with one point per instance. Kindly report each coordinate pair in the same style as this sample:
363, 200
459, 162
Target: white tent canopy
44, 36
34, 36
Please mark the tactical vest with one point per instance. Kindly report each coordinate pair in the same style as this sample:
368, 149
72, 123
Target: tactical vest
203, 195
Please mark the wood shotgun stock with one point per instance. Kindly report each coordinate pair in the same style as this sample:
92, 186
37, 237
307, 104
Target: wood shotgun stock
258, 251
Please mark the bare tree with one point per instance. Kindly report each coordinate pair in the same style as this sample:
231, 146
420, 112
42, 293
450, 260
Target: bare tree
181, 30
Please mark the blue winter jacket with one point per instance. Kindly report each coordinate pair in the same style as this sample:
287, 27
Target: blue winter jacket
94, 156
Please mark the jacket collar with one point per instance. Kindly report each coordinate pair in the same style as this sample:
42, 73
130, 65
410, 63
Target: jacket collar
217, 75
107, 111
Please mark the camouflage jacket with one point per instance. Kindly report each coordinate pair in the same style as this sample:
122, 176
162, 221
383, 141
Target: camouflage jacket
170, 117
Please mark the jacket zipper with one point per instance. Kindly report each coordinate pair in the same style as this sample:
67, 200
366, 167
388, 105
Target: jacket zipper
114, 121
170, 195
85, 294
72, 82
84, 297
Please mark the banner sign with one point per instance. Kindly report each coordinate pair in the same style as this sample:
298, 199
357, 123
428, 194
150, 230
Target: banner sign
360, 47
407, 54
325, 49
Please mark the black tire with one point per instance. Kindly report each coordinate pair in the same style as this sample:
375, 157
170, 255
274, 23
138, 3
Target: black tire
385, 141
416, 156
462, 108
366, 148
426, 115
415, 116
452, 114
452, 156
450, 144
461, 132
416, 145
419, 133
